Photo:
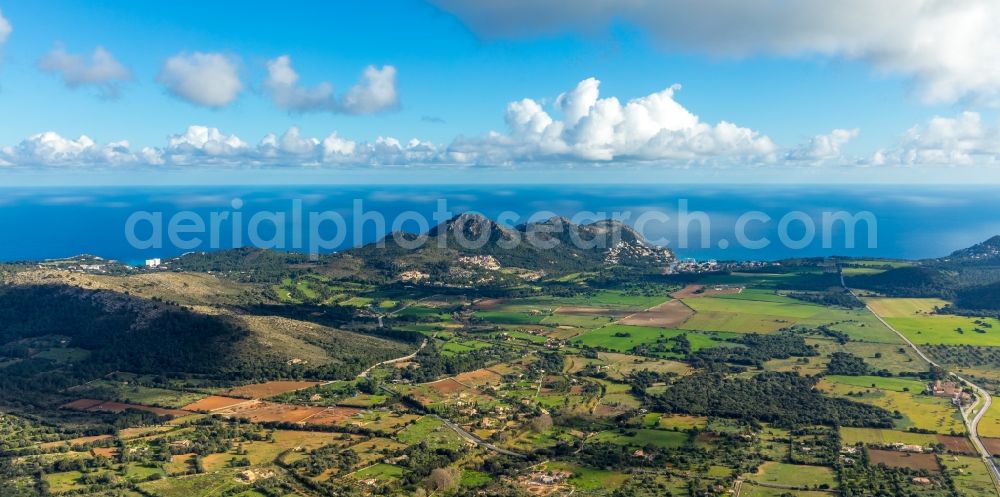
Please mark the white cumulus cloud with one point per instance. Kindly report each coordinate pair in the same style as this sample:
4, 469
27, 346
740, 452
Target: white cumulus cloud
593, 129
206, 79
5, 28
203, 145
290, 143
946, 46
283, 84
100, 69
960, 140
376, 92
52, 149
824, 147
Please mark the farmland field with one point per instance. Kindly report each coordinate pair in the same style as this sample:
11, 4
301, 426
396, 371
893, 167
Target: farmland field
586, 373
380, 472
136, 394
970, 474
904, 460
666, 315
883, 383
262, 452
758, 491
904, 308
797, 475
989, 425
111, 406
622, 338
589, 479
270, 389
212, 403
919, 411
875, 436
203, 485
949, 330
642, 437
619, 365
432, 431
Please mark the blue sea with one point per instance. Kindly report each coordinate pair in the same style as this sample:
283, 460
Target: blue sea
137, 223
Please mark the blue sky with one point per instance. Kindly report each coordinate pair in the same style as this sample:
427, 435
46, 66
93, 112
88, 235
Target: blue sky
456, 65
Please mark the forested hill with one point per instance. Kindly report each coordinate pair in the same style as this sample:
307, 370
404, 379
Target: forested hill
970, 277
122, 332
555, 245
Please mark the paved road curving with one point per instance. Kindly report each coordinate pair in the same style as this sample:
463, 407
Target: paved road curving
972, 425
476, 440
364, 374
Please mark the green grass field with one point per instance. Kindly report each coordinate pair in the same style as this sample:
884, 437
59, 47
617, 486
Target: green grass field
202, 485
989, 425
892, 383
859, 271
744, 315
943, 330
879, 263
796, 475
432, 431
643, 437
611, 299
759, 295
579, 321
914, 319
894, 357
936, 414
758, 491
588, 479
875, 436
970, 474
675, 421
138, 472
474, 479
641, 335
452, 347
380, 472
64, 482
618, 365
119, 391
903, 307
510, 317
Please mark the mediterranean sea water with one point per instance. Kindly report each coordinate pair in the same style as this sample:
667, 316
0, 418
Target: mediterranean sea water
911, 222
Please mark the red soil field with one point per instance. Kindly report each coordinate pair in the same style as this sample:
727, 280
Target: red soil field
333, 415
992, 445
270, 389
213, 403
589, 311
480, 377
957, 445
489, 303
692, 291
100, 405
446, 386
666, 315
259, 411
82, 404
108, 452
607, 411
896, 459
